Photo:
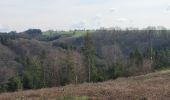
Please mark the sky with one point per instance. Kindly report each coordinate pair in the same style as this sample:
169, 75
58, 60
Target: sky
20, 15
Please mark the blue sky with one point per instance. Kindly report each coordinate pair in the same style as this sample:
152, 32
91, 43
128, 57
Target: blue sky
20, 15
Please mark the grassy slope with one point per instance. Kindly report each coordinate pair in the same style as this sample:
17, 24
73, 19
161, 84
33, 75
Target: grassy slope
154, 86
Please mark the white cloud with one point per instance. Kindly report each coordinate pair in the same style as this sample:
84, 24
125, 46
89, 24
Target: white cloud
95, 22
79, 25
122, 20
112, 10
167, 9
4, 28
97, 17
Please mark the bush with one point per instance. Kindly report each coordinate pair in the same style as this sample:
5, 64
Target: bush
14, 84
3, 88
27, 81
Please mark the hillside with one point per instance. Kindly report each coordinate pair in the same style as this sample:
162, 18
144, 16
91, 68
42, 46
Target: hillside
154, 86
32, 60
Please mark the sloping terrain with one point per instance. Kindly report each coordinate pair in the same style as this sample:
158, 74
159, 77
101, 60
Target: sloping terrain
8, 66
154, 86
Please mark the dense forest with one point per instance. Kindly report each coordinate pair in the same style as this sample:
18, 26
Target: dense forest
34, 59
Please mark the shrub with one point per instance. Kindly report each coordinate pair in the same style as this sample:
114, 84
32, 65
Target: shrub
14, 84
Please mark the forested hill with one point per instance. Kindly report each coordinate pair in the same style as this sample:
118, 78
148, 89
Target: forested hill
34, 59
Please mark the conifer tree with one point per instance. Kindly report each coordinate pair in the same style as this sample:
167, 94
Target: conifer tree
89, 53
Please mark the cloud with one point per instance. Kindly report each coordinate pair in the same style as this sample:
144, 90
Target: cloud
79, 25
4, 28
112, 10
93, 22
167, 9
97, 17
91, 2
122, 20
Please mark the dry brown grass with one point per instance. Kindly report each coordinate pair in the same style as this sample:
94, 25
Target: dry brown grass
155, 86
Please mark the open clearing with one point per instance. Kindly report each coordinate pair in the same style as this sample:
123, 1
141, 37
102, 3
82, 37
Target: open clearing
154, 86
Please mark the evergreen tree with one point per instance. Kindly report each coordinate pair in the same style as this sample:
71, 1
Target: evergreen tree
33, 74
136, 57
43, 69
89, 53
27, 81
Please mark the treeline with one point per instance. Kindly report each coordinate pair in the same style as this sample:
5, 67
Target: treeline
36, 61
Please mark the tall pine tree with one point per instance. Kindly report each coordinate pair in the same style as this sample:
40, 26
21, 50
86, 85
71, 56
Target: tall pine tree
89, 54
